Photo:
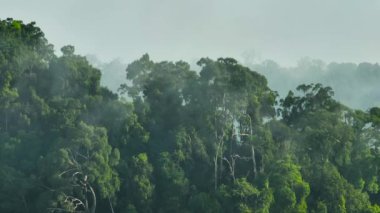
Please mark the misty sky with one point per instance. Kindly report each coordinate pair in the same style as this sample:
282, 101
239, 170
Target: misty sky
282, 30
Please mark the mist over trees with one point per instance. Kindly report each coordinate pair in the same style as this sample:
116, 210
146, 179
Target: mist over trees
113, 72
354, 85
217, 140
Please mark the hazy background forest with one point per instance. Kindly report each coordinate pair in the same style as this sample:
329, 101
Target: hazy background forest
189, 106
355, 84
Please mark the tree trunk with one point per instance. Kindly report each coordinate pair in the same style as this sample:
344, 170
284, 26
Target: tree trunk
6, 121
93, 206
111, 205
254, 161
216, 172
221, 160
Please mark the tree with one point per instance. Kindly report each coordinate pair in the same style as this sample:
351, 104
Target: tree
139, 186
289, 189
172, 185
80, 166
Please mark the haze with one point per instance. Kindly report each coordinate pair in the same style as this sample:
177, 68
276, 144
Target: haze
112, 121
339, 30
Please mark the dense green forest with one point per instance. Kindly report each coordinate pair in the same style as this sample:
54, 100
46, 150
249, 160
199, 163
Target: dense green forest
218, 140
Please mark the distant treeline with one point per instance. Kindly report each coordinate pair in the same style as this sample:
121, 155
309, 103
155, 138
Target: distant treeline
218, 140
355, 85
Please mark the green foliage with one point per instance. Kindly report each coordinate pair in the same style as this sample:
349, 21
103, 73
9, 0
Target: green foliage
183, 141
290, 190
139, 186
172, 185
204, 202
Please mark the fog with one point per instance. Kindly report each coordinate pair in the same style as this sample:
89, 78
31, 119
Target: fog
355, 85
204, 120
256, 33
285, 31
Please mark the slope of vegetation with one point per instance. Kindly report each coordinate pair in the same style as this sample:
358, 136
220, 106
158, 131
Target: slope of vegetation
216, 141
355, 85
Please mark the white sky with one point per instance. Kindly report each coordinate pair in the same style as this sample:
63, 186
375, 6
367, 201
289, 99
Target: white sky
282, 30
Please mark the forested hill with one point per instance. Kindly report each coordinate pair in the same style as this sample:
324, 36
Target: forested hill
355, 85
218, 140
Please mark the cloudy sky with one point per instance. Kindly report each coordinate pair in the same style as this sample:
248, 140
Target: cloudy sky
282, 30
